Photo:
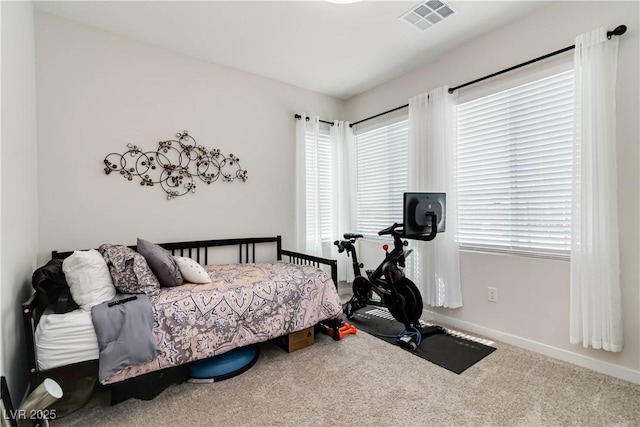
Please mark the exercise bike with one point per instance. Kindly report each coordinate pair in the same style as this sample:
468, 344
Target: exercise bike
387, 286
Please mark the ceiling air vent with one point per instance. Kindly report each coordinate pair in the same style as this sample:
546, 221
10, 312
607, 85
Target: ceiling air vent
427, 14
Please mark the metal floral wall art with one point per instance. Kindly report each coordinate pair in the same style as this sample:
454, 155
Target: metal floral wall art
174, 165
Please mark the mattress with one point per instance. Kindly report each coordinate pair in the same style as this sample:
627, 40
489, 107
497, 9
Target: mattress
244, 304
62, 339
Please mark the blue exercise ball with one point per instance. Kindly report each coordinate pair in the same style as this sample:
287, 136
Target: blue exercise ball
226, 365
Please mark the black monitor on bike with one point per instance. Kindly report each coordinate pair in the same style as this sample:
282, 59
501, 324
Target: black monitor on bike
418, 209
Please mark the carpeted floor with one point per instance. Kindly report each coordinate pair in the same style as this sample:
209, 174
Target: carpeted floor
363, 381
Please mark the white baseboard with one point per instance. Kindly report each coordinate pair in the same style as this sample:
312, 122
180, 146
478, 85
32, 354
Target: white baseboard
537, 347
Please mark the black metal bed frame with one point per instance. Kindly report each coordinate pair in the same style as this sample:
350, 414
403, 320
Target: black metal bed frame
197, 250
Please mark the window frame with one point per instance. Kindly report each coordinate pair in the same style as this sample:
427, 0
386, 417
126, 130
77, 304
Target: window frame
507, 85
397, 123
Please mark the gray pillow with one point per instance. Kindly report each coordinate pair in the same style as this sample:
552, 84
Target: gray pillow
161, 263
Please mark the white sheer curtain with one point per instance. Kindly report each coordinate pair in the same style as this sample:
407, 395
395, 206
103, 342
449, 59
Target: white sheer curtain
596, 313
343, 153
432, 165
325, 188
308, 226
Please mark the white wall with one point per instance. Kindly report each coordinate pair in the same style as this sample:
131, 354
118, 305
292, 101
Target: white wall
97, 92
533, 307
19, 170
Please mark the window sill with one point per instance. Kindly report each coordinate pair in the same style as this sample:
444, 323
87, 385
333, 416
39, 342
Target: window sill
508, 252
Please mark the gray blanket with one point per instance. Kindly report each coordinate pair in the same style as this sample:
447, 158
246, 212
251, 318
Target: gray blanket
125, 333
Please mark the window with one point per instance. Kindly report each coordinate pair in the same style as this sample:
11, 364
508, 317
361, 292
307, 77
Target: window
382, 176
320, 185
514, 169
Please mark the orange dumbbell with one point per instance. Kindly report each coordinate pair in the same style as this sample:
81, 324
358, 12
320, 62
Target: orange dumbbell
345, 329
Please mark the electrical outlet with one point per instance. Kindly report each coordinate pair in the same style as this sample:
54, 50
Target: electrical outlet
493, 294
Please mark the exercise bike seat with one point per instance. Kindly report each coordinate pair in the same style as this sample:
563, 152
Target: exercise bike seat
353, 236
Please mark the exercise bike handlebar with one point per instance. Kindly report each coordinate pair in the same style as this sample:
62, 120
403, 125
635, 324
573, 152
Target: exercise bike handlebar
390, 230
433, 230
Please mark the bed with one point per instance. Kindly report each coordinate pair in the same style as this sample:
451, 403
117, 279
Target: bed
247, 302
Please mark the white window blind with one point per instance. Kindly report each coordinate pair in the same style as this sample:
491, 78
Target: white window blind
320, 178
514, 169
382, 176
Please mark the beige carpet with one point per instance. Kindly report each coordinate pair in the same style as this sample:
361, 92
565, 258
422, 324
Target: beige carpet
363, 381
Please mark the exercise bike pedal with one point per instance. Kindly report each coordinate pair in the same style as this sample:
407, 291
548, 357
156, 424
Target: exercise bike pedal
407, 343
348, 309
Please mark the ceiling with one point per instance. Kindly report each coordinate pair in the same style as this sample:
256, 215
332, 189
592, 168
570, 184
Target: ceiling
339, 50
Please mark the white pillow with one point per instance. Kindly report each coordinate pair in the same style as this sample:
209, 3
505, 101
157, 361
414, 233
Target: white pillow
192, 271
88, 277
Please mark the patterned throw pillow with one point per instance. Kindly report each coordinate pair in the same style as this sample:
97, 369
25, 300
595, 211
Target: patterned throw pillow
191, 271
129, 270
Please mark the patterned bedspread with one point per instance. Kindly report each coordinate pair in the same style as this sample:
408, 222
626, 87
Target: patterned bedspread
244, 304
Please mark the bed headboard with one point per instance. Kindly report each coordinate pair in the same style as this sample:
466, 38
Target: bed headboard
199, 250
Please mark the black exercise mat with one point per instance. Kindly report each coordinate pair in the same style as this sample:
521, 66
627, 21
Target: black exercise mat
446, 350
